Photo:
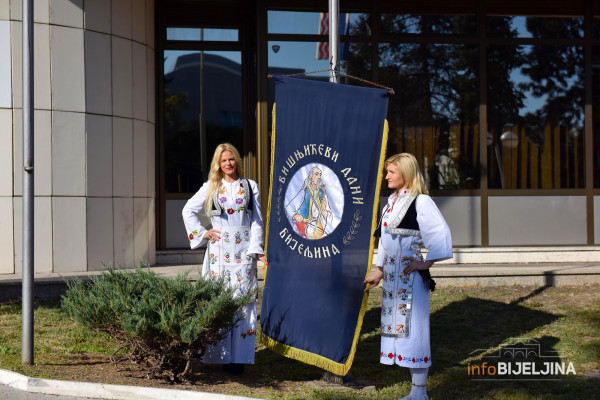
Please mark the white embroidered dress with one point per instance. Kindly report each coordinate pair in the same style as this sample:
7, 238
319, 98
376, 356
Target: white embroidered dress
233, 256
405, 300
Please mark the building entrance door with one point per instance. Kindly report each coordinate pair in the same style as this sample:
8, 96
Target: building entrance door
202, 106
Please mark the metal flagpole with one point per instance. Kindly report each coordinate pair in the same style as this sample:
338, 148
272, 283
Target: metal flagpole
28, 193
334, 41
334, 76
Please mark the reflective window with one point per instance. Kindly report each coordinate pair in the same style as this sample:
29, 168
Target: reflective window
203, 34
294, 57
434, 112
534, 27
298, 58
313, 23
535, 117
428, 24
287, 58
202, 108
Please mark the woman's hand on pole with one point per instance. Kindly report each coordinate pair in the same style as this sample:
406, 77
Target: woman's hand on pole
373, 279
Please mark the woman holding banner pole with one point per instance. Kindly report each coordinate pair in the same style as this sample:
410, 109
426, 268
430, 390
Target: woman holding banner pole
234, 244
409, 221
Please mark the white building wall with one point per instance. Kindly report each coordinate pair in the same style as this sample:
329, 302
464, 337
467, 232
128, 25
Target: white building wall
94, 134
534, 220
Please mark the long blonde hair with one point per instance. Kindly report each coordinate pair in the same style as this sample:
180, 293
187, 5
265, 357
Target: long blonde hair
216, 174
408, 167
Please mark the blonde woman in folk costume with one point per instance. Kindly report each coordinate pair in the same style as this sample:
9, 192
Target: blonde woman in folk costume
234, 244
409, 220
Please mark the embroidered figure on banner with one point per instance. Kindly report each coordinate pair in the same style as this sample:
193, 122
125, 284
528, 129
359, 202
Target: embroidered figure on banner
314, 201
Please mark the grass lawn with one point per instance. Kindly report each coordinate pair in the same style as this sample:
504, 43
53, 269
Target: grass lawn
469, 325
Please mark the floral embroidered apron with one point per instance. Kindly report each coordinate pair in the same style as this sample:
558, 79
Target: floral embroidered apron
227, 257
397, 298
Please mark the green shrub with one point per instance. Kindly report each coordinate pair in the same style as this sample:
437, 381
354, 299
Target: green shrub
162, 322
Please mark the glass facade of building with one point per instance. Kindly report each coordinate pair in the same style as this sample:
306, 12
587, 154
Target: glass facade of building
495, 101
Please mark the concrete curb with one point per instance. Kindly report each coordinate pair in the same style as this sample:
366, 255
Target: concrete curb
105, 391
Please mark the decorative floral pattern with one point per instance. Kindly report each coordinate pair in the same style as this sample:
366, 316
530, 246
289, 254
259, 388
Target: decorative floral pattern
193, 234
386, 311
400, 328
405, 358
397, 297
249, 332
234, 201
388, 276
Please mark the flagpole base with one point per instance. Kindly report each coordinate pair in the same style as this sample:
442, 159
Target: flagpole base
339, 379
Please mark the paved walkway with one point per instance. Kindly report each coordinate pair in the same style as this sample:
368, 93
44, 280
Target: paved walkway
539, 274
16, 386
8, 393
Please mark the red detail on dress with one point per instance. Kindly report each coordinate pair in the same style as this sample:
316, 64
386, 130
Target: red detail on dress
191, 237
391, 355
230, 211
413, 360
385, 224
399, 357
426, 359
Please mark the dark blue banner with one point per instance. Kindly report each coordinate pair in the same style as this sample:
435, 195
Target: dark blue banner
328, 147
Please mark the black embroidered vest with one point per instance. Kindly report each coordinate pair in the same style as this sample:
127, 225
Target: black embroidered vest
405, 223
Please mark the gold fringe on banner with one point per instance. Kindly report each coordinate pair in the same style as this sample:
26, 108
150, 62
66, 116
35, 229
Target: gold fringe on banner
302, 355
270, 193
